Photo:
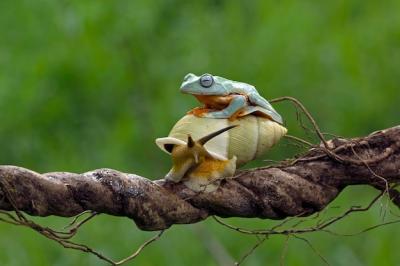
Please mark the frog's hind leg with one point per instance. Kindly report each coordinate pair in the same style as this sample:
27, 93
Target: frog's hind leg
266, 107
256, 110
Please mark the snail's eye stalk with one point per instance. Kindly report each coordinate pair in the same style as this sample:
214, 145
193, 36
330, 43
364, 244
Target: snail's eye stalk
206, 80
190, 142
204, 139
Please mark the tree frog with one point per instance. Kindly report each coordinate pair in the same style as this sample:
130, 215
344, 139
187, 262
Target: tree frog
224, 98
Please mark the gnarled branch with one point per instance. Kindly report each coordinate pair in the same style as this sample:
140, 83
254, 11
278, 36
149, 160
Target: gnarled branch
296, 188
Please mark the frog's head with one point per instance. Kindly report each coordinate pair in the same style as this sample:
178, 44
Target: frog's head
205, 84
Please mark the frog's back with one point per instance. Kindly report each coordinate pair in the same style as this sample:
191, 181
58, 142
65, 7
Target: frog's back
243, 88
260, 104
252, 93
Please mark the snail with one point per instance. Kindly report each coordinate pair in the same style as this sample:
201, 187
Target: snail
228, 146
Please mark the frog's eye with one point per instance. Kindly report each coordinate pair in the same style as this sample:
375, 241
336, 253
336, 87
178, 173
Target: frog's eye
206, 80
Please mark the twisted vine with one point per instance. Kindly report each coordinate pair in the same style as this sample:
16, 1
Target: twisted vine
290, 189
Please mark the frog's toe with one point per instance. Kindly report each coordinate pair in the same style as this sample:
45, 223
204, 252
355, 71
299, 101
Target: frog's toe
207, 115
199, 111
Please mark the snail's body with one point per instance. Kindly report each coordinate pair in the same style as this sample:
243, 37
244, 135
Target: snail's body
199, 169
208, 174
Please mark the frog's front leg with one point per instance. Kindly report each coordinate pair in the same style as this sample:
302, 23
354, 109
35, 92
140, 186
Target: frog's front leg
237, 102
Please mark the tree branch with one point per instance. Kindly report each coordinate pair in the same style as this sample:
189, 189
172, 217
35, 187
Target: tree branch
295, 188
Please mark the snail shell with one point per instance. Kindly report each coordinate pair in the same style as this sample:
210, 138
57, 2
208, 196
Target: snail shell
252, 138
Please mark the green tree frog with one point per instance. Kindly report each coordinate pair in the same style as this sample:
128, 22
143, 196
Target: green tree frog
224, 98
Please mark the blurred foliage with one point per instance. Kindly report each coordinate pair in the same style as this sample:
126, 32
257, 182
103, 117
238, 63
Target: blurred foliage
91, 84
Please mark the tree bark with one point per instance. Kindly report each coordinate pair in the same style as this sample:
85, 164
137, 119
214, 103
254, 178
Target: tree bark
299, 188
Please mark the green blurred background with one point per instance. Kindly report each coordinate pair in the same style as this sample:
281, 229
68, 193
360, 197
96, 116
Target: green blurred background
91, 84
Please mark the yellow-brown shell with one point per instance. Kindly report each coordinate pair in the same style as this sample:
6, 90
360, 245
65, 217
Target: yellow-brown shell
252, 138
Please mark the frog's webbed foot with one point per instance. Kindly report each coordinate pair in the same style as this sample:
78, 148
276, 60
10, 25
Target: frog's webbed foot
237, 102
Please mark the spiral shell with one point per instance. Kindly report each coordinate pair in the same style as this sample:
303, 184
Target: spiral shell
252, 138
